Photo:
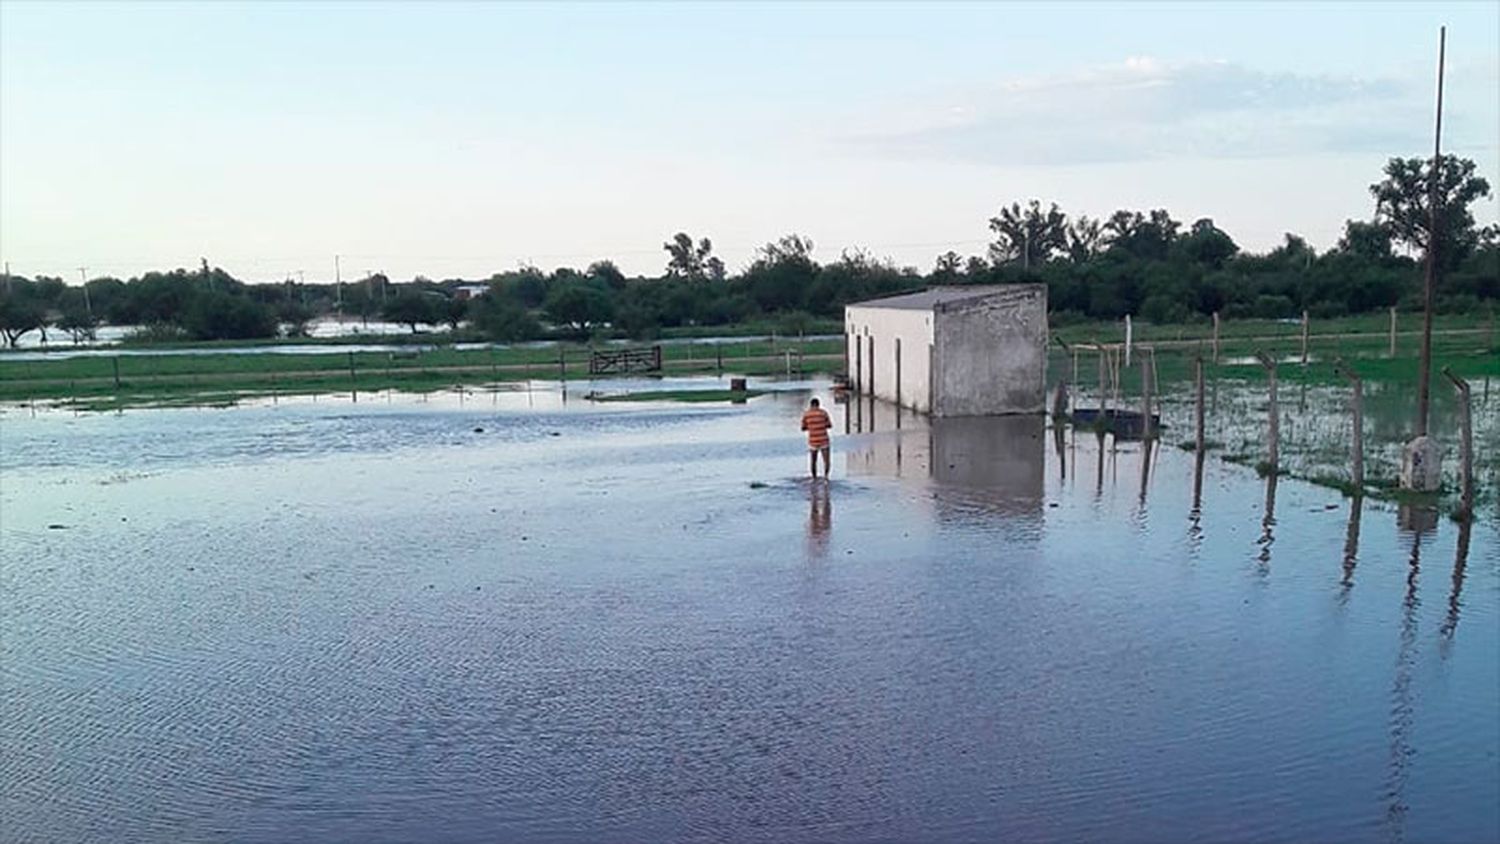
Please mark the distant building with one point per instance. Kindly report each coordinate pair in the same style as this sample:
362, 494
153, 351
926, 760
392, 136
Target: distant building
469, 291
952, 351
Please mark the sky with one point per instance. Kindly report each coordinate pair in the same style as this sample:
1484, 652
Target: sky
464, 139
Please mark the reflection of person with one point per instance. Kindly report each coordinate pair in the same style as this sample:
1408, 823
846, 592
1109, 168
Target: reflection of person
819, 519
816, 423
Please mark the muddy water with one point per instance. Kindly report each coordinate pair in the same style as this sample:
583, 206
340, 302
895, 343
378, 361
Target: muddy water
374, 622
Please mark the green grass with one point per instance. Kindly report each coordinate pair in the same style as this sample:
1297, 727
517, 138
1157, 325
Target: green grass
144, 380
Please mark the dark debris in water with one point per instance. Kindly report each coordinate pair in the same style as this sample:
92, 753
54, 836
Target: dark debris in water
57, 527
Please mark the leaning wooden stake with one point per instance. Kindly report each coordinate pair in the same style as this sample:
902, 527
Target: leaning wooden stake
1465, 447
1198, 413
1357, 459
1216, 338
1273, 451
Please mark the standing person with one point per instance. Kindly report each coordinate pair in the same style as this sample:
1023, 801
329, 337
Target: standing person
816, 423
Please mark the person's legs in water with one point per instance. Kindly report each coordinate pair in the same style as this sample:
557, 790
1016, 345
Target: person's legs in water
812, 461
825, 449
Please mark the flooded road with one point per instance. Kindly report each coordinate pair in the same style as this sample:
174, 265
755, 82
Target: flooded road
508, 617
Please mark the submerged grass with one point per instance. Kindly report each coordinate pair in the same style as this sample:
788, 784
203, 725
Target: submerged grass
681, 395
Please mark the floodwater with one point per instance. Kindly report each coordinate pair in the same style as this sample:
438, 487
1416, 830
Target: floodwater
111, 348
499, 616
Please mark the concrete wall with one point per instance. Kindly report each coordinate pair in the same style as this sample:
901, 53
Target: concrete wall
886, 326
992, 353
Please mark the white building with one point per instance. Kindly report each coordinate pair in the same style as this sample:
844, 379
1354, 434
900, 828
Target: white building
952, 351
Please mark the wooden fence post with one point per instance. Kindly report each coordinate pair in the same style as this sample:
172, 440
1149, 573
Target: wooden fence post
1147, 431
1198, 413
1357, 464
1103, 385
1273, 455
1304, 338
1392, 352
1216, 338
1465, 447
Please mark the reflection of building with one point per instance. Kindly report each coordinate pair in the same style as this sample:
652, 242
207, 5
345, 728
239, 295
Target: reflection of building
986, 463
952, 351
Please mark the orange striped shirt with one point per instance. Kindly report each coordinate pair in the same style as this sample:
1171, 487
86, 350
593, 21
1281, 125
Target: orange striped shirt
816, 423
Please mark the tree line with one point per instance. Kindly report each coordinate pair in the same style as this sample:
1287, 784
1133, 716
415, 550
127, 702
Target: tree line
1145, 263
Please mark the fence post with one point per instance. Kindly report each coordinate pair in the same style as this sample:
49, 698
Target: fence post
1465, 447
1357, 466
1273, 455
1127, 341
353, 383
1392, 352
1103, 386
1198, 413
562, 366
1147, 431
116, 362
1304, 338
1216, 338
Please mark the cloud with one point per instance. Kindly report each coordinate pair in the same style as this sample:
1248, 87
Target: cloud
1145, 109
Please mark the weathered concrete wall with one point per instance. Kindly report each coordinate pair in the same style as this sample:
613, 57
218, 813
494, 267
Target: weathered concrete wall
912, 328
992, 353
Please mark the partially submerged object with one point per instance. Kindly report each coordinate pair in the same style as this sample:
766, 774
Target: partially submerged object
1124, 424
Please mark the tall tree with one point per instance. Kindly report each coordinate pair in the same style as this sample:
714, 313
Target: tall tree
1207, 244
1030, 235
948, 266
1084, 239
694, 261
21, 311
1402, 202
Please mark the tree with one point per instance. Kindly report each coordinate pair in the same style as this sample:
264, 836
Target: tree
220, 315
1029, 236
20, 311
76, 317
947, 268
1371, 241
1208, 245
410, 308
579, 306
782, 275
503, 319
1403, 198
1141, 236
607, 272
453, 311
1084, 239
294, 317
692, 261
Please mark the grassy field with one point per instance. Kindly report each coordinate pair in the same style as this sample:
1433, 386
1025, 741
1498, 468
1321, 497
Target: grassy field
1466, 343
127, 380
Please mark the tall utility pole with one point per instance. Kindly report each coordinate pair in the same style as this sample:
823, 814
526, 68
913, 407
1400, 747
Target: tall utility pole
1421, 459
1424, 378
83, 275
